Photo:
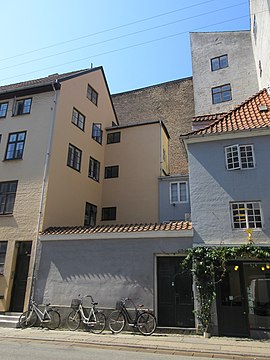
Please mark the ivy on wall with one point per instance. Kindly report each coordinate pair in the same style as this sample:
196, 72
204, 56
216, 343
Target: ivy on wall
208, 265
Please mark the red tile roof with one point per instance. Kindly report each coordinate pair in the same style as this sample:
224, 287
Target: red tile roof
42, 81
208, 117
168, 226
254, 113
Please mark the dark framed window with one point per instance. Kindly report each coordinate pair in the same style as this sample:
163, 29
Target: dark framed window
7, 196
90, 214
221, 94
113, 137
22, 107
15, 145
3, 250
97, 132
78, 119
111, 172
108, 213
94, 169
3, 109
92, 95
219, 62
74, 157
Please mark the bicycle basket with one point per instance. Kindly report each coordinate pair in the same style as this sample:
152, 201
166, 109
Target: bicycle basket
119, 305
75, 303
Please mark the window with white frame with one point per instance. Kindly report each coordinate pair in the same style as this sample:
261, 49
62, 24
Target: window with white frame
240, 157
246, 215
178, 192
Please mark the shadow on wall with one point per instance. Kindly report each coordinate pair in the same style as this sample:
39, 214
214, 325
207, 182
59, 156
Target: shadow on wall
106, 269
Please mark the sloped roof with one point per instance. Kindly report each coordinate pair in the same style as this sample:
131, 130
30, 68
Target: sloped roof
168, 226
43, 81
208, 117
254, 113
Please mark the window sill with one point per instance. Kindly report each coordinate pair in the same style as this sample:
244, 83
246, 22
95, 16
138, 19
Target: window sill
6, 215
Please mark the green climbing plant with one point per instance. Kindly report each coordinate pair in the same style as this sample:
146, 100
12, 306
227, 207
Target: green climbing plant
208, 265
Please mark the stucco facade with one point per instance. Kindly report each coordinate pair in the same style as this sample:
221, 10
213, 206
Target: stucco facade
260, 28
171, 102
240, 72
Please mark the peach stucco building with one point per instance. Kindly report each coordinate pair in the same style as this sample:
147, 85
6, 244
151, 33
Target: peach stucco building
65, 161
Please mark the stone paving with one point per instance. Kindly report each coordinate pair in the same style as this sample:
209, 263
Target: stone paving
214, 347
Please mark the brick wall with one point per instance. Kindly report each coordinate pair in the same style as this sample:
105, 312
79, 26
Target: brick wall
172, 102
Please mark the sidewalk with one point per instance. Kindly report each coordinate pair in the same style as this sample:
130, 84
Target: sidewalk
193, 345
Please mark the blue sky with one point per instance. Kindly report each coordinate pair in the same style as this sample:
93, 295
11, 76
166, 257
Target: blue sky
139, 43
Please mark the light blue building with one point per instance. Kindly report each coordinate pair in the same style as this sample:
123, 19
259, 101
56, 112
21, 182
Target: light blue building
229, 165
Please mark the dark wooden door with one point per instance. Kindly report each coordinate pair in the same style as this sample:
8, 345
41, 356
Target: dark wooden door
232, 303
175, 296
20, 277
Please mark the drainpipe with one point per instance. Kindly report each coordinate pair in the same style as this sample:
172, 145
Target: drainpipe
44, 181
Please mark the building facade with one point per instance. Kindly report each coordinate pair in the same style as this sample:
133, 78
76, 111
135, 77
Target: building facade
228, 163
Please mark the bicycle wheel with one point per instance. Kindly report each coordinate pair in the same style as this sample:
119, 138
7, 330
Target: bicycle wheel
27, 319
117, 321
146, 323
53, 320
73, 320
99, 325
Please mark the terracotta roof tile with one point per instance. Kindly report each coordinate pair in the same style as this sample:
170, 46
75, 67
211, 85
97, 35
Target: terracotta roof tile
254, 113
208, 117
170, 226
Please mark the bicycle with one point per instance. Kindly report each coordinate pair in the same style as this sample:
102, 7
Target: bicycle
50, 317
96, 320
143, 320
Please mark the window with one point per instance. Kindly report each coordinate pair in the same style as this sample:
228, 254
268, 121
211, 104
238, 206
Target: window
255, 27
74, 157
94, 167
3, 250
239, 157
90, 214
221, 94
3, 109
92, 95
219, 62
97, 132
111, 172
15, 145
113, 137
22, 107
7, 197
178, 192
108, 213
78, 119
246, 215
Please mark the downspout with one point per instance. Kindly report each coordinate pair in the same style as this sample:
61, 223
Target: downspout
44, 181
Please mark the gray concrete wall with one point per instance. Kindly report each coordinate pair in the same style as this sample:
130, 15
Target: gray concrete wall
107, 269
212, 188
261, 39
168, 211
240, 73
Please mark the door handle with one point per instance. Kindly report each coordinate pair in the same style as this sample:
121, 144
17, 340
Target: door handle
244, 313
172, 283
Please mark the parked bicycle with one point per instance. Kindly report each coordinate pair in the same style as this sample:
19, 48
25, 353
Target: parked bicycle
140, 319
50, 317
95, 320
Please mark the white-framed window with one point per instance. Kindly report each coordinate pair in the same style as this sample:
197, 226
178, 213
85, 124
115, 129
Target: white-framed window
239, 157
178, 192
246, 215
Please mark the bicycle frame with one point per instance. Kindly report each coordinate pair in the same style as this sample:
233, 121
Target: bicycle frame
86, 319
41, 315
127, 315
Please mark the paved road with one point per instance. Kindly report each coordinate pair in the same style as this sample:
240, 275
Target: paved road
33, 350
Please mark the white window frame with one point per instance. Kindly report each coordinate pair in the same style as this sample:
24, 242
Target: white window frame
237, 148
247, 217
179, 201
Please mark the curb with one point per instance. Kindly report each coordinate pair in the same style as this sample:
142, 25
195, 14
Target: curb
141, 348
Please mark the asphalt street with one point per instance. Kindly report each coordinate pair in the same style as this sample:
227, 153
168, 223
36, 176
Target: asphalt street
33, 350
